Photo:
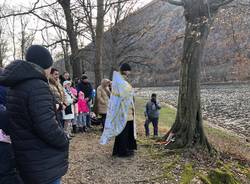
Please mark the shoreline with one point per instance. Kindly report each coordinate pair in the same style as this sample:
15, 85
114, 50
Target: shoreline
176, 84
213, 122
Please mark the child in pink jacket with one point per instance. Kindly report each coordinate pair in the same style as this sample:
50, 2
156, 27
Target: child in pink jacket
83, 111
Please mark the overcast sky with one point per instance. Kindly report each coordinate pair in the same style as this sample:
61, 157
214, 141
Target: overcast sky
28, 2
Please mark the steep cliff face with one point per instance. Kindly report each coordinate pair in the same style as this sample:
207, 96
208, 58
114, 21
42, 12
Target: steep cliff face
151, 39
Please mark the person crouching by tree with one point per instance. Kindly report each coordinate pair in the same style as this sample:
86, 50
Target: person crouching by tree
103, 95
120, 115
68, 113
83, 111
58, 92
40, 145
152, 115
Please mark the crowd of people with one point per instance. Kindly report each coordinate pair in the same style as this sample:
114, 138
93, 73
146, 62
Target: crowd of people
41, 111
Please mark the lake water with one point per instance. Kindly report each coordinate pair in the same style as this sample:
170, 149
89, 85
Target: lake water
227, 106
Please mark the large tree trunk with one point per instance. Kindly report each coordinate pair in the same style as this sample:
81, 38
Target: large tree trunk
113, 55
188, 127
99, 42
68, 66
1, 57
74, 58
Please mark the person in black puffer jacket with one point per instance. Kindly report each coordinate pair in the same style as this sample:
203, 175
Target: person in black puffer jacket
40, 145
8, 172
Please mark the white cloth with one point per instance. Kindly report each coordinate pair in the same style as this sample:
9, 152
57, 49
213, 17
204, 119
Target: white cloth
69, 100
4, 138
120, 101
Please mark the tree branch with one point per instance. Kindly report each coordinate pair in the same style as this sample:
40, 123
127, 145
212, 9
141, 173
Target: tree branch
56, 42
28, 11
175, 2
49, 21
218, 3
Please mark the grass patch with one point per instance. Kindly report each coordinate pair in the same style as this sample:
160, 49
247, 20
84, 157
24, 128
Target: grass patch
167, 117
187, 174
169, 167
222, 176
223, 140
166, 120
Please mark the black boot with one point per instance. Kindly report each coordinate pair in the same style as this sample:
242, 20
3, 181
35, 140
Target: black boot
84, 129
74, 129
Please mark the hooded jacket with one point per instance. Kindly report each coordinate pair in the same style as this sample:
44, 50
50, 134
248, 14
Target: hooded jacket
82, 104
8, 172
103, 94
86, 88
40, 145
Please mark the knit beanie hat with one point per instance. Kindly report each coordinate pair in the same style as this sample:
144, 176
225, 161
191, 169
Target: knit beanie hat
39, 55
66, 83
125, 67
84, 77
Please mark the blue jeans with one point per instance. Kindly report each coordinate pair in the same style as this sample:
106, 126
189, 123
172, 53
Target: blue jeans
155, 125
58, 181
82, 122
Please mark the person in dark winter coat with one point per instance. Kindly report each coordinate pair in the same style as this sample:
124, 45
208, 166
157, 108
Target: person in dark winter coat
85, 87
8, 171
152, 115
40, 145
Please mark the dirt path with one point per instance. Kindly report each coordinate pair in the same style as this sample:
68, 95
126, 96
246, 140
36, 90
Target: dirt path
91, 162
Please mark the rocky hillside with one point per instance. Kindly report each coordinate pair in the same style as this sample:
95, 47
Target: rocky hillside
151, 39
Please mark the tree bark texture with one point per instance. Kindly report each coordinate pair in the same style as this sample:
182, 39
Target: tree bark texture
99, 42
188, 127
74, 58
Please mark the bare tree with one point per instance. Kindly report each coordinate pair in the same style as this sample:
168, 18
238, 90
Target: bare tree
64, 43
117, 13
12, 30
60, 38
88, 8
187, 130
122, 42
27, 36
72, 35
237, 38
99, 42
3, 44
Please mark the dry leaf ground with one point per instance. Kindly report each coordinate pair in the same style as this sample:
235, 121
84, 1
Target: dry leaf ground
92, 163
